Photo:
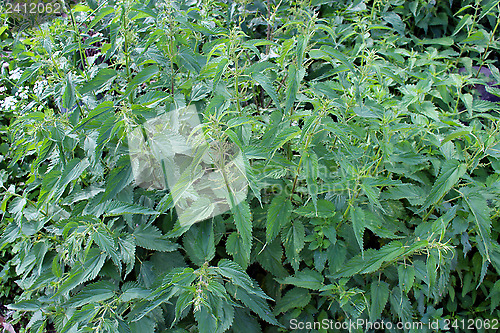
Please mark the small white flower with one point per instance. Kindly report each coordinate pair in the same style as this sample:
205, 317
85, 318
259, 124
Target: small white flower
8, 103
39, 87
2, 89
22, 93
16, 74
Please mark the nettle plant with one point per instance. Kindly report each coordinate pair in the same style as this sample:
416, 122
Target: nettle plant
372, 164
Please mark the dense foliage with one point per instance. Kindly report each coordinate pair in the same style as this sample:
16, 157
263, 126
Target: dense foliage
369, 132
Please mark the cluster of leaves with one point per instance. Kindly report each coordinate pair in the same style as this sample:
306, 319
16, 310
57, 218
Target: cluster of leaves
372, 162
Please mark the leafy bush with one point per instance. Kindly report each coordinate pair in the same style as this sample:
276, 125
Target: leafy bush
370, 151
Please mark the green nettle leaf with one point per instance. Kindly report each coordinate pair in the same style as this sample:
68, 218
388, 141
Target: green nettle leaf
207, 323
310, 165
244, 322
118, 178
106, 243
359, 224
451, 172
234, 273
127, 251
374, 259
243, 220
480, 215
285, 135
431, 264
102, 110
142, 77
308, 278
221, 67
488, 7
270, 257
93, 293
102, 77
117, 208
379, 292
339, 56
293, 238
72, 171
465, 20
106, 132
150, 237
371, 191
69, 96
81, 317
266, 83
293, 299
28, 305
254, 302
278, 215
401, 305
236, 248
93, 264
323, 209
199, 242
292, 83
406, 275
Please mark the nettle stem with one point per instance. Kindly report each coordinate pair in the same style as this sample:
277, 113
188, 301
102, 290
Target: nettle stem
483, 56
83, 56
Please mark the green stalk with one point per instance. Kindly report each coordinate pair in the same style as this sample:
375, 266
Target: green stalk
83, 56
487, 46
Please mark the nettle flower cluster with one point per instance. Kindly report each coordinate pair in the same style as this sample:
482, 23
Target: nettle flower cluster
9, 103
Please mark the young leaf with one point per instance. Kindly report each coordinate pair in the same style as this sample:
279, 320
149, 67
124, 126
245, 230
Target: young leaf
307, 278
235, 274
142, 77
266, 83
310, 165
379, 292
99, 81
406, 275
295, 298
451, 172
481, 217
278, 215
118, 178
118, 208
199, 242
243, 220
93, 293
293, 238
292, 84
150, 237
359, 224
254, 302
107, 244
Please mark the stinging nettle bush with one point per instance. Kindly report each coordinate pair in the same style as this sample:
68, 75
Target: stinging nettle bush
370, 154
